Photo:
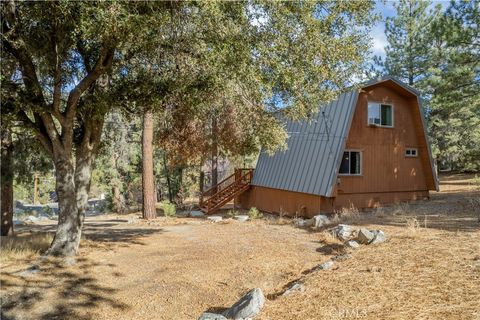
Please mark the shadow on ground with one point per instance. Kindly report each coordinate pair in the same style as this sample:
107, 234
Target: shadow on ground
52, 289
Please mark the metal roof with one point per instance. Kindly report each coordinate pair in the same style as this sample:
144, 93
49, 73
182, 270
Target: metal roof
312, 160
310, 163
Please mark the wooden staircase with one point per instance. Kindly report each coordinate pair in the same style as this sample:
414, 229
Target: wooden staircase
226, 190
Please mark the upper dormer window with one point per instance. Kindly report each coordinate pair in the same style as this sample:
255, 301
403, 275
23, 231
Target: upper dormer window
380, 114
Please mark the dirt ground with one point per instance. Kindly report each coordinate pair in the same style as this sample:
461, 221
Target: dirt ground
429, 268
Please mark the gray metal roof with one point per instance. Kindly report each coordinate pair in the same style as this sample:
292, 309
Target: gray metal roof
310, 163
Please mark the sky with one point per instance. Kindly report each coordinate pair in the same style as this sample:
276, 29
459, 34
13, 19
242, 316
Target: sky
386, 9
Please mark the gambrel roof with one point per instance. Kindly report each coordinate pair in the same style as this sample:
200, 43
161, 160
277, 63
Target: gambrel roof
315, 147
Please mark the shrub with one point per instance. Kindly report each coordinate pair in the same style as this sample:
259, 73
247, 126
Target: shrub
232, 213
169, 209
254, 213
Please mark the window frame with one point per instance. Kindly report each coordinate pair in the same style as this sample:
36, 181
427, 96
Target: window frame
349, 164
411, 155
380, 114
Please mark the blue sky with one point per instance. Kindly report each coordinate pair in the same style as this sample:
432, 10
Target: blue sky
386, 9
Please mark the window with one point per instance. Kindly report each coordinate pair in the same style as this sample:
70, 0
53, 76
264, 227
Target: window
411, 152
351, 163
380, 114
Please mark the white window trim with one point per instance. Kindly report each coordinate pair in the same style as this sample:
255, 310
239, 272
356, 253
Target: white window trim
393, 114
361, 163
410, 155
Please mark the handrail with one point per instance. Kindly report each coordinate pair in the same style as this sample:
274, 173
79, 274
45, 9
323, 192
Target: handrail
218, 199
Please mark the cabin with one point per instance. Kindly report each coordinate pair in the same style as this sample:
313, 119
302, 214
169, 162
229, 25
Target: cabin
367, 148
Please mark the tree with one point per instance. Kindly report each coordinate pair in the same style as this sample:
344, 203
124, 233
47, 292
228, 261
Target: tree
454, 87
73, 57
408, 53
65, 52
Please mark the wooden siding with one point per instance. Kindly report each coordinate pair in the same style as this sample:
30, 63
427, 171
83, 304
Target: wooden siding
384, 165
280, 201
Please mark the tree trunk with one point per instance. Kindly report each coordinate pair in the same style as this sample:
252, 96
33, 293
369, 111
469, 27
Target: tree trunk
117, 200
167, 176
148, 181
6, 184
72, 187
69, 229
214, 164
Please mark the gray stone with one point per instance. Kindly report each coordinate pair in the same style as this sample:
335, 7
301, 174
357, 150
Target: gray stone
302, 223
297, 287
211, 316
320, 220
32, 219
242, 218
324, 266
18, 222
196, 214
352, 244
365, 236
215, 218
342, 257
248, 306
379, 236
343, 232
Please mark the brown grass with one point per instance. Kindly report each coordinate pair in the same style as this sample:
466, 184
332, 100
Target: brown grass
177, 268
24, 246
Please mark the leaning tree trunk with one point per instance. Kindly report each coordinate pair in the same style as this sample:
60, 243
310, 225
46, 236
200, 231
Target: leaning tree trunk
148, 182
7, 184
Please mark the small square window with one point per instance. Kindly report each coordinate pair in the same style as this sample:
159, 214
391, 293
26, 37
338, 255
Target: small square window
410, 152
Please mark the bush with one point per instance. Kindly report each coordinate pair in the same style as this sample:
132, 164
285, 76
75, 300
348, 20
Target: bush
169, 209
254, 213
232, 213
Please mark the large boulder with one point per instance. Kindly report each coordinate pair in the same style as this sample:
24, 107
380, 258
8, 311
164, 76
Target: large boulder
352, 244
215, 218
324, 266
320, 220
297, 287
248, 306
304, 223
211, 316
343, 232
379, 236
365, 236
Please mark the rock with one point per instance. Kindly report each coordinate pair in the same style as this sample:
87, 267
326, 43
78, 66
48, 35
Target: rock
320, 220
324, 266
30, 271
297, 287
215, 218
211, 316
342, 257
343, 232
196, 214
242, 218
379, 236
31, 219
365, 236
302, 223
18, 223
248, 306
352, 244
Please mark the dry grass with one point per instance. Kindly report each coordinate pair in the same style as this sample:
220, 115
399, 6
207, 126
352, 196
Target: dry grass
24, 246
429, 267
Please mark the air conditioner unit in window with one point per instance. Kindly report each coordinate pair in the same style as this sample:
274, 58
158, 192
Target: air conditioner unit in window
373, 121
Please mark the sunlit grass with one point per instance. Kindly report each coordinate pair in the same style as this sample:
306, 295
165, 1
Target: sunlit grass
25, 246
